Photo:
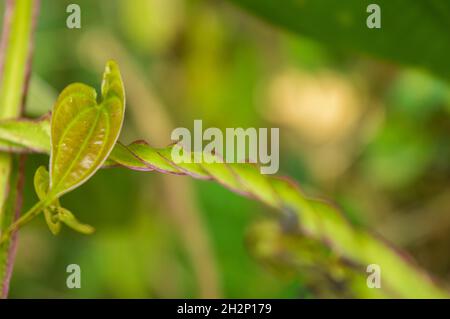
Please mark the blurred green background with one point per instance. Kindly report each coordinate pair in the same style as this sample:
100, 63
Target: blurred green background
371, 135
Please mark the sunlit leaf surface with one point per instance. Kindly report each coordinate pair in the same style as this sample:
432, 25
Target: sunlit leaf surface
83, 132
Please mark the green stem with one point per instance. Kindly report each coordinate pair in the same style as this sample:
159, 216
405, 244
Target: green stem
24, 219
15, 64
16, 56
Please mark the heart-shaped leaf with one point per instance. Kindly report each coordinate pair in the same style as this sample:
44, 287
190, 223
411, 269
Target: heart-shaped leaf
83, 132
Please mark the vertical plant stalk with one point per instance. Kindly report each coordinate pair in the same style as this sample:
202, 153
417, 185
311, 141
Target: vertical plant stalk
14, 206
15, 68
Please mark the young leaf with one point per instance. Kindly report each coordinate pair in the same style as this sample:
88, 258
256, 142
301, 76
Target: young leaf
52, 220
83, 132
41, 183
69, 219
54, 213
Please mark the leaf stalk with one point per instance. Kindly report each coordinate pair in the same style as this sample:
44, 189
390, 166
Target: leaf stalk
24, 219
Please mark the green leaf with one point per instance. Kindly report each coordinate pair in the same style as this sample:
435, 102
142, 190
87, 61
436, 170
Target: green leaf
69, 219
412, 32
25, 135
52, 220
294, 253
54, 213
41, 183
84, 132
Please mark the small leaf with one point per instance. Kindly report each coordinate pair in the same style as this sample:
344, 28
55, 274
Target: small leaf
69, 219
41, 183
52, 219
83, 132
54, 213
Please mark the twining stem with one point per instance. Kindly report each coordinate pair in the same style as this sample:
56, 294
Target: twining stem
24, 219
